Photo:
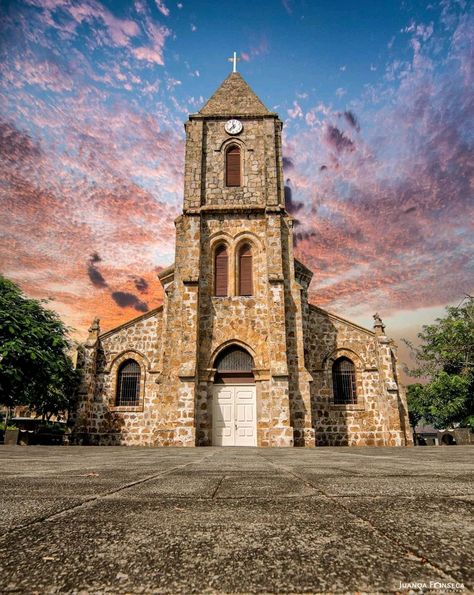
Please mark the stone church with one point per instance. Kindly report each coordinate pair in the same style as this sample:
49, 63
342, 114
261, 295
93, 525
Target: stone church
237, 355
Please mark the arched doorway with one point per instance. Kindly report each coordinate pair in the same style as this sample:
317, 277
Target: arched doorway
448, 440
234, 412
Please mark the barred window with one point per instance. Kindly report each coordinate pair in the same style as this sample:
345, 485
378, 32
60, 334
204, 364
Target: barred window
245, 270
128, 384
234, 359
234, 364
344, 381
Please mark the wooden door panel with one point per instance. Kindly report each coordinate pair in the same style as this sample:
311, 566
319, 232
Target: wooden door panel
234, 416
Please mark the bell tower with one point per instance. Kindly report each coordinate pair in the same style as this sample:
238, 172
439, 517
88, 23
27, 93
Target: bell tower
232, 295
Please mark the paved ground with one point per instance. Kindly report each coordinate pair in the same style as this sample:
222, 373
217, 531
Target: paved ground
126, 520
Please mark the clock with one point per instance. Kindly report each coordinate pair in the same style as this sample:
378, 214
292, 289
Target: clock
233, 126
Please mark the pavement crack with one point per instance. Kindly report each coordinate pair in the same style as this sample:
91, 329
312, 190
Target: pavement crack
409, 552
214, 494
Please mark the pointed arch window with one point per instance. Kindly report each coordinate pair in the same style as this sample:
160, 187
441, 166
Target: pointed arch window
344, 382
221, 271
128, 384
245, 271
233, 166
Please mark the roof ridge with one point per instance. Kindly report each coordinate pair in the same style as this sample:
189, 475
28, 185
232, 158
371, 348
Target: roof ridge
341, 318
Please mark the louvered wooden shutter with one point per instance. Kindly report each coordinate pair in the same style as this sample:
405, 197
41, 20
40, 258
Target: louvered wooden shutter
220, 271
245, 271
233, 167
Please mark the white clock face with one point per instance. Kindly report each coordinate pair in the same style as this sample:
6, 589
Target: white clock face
233, 126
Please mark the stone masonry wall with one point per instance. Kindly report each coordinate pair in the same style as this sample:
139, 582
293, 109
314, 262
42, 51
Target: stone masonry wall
180, 340
243, 320
367, 423
206, 146
106, 423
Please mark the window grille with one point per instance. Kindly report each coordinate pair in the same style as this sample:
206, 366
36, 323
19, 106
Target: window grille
245, 270
221, 271
233, 167
234, 359
128, 384
344, 382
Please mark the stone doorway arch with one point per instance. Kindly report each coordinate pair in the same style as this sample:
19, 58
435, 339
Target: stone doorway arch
234, 364
234, 411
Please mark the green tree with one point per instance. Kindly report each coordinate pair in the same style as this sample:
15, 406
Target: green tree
414, 402
35, 369
445, 360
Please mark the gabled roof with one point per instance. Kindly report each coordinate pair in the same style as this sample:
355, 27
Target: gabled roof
340, 319
120, 327
234, 98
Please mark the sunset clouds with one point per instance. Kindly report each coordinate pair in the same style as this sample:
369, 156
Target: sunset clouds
93, 96
387, 188
85, 169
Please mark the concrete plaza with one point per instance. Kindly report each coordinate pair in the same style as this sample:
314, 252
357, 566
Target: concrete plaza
209, 520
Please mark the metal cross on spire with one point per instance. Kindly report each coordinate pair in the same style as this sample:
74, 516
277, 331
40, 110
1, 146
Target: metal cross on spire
234, 60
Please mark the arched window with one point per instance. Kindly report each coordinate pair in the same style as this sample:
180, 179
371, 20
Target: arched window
221, 262
234, 364
344, 381
245, 270
232, 167
128, 384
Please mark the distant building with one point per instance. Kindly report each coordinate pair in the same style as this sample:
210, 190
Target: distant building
236, 355
426, 435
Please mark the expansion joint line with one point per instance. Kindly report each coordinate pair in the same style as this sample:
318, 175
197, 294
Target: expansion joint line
90, 501
410, 552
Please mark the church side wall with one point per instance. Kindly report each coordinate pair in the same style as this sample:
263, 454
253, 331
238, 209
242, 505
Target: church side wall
131, 426
365, 423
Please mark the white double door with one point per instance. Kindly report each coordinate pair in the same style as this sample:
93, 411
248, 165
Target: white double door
234, 417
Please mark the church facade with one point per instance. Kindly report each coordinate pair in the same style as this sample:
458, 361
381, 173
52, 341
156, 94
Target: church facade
237, 355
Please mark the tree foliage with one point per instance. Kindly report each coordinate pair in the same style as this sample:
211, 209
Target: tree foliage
445, 359
35, 369
414, 402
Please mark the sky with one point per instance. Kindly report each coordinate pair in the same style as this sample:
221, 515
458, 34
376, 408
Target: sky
377, 100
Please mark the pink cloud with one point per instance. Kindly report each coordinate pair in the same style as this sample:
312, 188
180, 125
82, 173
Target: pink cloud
296, 111
260, 47
89, 11
154, 51
149, 54
162, 7
107, 29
